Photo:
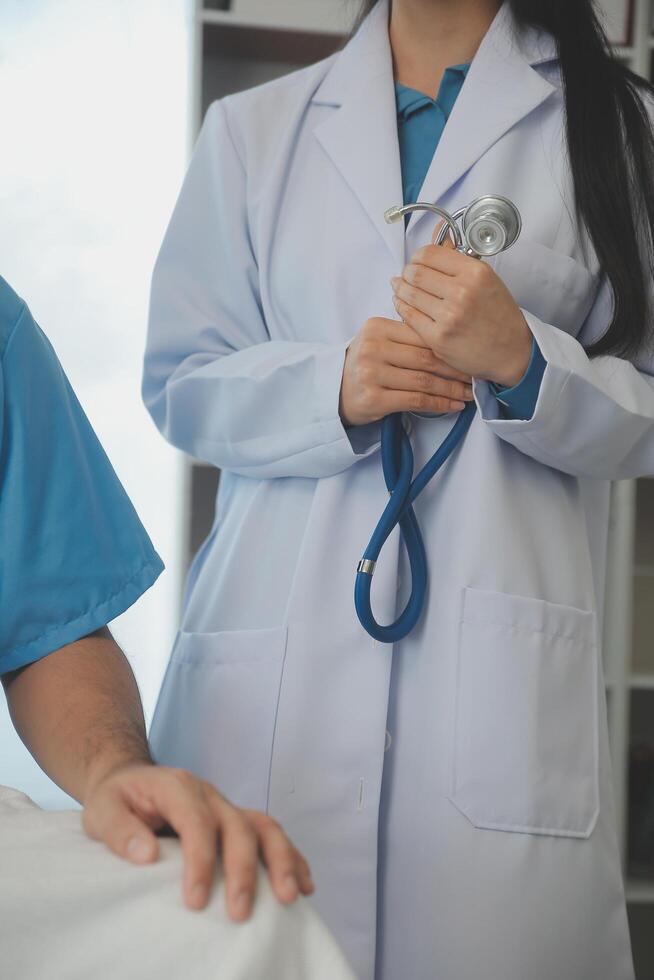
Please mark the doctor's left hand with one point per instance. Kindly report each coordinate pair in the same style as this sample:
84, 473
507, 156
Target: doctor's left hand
132, 802
462, 310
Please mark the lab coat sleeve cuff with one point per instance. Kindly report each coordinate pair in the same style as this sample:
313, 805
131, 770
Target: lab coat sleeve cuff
519, 401
555, 366
345, 444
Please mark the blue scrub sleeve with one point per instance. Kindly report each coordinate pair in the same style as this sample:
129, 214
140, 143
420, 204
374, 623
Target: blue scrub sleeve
519, 402
73, 553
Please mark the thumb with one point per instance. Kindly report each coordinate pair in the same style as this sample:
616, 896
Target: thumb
124, 833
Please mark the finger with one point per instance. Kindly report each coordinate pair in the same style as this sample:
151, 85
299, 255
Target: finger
307, 886
181, 801
420, 299
431, 281
400, 333
113, 822
280, 858
421, 359
416, 401
446, 260
423, 324
198, 835
240, 855
399, 379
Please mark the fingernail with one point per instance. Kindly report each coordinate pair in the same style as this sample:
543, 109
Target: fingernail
308, 882
459, 405
394, 281
138, 849
241, 905
290, 886
198, 895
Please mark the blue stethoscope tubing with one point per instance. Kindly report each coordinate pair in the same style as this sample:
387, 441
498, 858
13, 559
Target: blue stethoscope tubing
490, 225
397, 465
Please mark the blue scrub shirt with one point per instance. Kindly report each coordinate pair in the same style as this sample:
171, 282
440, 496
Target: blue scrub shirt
73, 553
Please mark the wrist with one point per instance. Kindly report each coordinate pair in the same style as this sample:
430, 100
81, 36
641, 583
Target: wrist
111, 762
513, 370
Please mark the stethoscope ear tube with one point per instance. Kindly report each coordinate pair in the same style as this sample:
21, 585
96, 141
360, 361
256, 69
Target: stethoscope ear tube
397, 463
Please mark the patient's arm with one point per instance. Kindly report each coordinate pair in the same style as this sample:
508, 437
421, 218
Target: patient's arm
79, 713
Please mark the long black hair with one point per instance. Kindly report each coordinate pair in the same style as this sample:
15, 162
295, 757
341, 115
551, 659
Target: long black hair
611, 150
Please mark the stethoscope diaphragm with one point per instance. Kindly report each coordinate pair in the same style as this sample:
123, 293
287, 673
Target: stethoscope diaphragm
490, 225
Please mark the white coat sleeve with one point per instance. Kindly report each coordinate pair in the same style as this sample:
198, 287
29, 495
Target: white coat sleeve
593, 417
214, 382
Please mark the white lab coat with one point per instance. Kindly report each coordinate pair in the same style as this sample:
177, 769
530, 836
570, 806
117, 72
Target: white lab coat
276, 254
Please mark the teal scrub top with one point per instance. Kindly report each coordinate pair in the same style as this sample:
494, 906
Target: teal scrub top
420, 124
73, 553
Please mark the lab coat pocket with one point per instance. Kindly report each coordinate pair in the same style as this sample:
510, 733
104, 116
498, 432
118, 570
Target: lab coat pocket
525, 754
217, 709
550, 284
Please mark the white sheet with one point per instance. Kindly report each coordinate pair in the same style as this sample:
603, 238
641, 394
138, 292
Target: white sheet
70, 909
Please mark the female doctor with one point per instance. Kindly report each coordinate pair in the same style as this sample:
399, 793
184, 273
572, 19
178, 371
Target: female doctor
452, 791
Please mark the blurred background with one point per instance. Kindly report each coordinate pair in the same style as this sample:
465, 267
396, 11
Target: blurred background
101, 101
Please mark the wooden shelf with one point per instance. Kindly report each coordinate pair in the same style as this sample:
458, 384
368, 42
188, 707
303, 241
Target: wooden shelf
262, 42
641, 682
639, 892
227, 18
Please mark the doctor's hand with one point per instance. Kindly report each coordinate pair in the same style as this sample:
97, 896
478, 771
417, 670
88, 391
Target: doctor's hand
389, 368
461, 310
131, 803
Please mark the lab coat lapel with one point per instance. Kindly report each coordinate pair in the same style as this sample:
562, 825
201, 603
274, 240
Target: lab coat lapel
501, 88
360, 134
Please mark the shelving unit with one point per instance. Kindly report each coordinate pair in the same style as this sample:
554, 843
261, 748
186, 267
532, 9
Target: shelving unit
244, 42
629, 642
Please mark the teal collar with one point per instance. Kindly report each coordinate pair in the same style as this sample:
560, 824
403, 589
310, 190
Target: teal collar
409, 100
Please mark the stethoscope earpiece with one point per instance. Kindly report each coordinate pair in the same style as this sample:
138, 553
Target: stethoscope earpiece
450, 221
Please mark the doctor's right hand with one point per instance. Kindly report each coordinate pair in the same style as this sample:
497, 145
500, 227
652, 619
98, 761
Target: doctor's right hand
388, 369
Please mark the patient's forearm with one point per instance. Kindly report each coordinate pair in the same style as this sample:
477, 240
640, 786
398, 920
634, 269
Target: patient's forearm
79, 712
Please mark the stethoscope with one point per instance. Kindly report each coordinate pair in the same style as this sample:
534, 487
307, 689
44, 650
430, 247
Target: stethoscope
486, 227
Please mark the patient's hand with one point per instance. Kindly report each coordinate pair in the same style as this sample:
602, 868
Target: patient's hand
132, 802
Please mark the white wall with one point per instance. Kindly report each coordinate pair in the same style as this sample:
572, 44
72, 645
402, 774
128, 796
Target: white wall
95, 100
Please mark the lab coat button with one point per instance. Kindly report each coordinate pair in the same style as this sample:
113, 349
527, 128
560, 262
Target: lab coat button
387, 743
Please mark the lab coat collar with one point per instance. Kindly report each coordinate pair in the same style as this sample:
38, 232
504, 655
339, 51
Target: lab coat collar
361, 135
501, 88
